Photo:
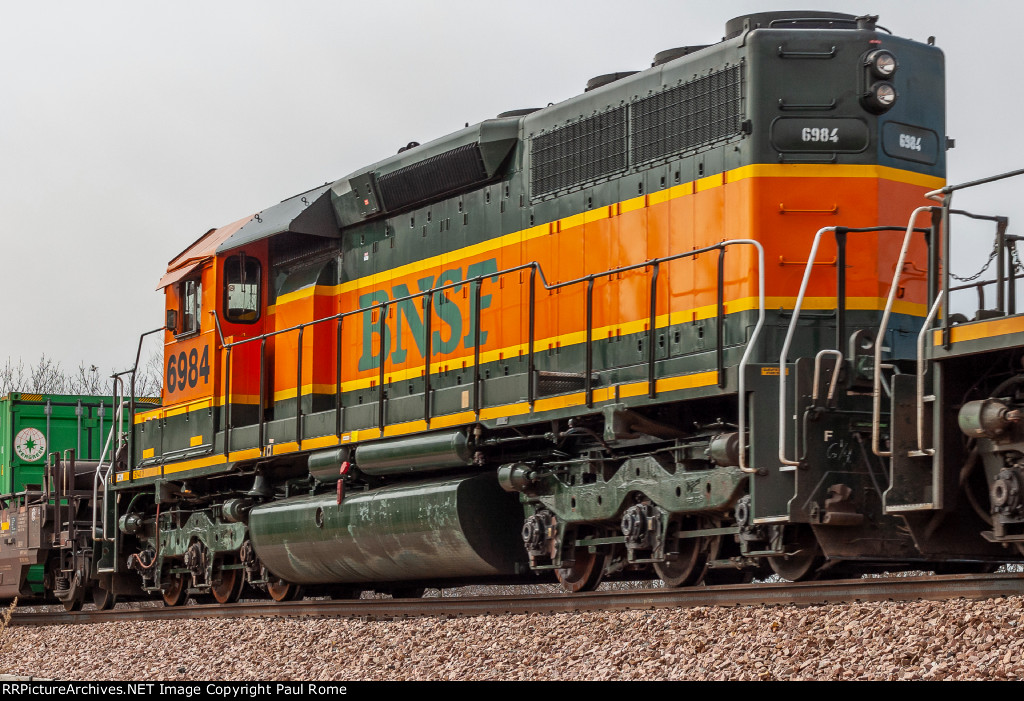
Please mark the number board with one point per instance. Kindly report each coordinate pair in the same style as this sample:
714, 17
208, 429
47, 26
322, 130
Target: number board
910, 143
187, 369
819, 134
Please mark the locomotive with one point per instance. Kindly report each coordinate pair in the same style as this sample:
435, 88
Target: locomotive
676, 327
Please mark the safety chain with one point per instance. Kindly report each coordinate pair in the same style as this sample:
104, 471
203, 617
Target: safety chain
1015, 258
991, 257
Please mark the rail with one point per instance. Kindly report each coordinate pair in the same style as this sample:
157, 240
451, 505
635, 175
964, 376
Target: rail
536, 272
529, 600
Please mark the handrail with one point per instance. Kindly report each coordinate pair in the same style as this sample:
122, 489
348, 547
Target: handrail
535, 271
747, 352
790, 332
101, 478
876, 390
922, 368
835, 375
840, 233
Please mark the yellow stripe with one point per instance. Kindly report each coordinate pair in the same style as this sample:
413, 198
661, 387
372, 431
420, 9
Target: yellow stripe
700, 379
405, 427
632, 205
319, 442
559, 402
983, 329
323, 290
710, 182
458, 419
196, 440
497, 412
776, 170
597, 214
144, 416
176, 410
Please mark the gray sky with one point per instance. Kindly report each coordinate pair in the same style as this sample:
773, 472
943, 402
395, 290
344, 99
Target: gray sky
127, 129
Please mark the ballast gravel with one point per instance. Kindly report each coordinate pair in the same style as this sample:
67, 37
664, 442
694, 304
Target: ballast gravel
957, 639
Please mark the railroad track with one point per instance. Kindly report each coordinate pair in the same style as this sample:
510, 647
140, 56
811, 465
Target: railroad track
802, 594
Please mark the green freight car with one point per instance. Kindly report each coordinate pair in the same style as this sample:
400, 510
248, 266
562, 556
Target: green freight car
50, 447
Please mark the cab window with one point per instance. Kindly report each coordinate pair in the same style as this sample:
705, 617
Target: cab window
242, 289
191, 295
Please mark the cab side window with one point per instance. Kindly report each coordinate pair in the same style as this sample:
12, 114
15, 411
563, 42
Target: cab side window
191, 295
242, 289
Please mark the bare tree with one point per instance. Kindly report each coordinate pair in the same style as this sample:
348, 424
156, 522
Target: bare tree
46, 377
12, 377
88, 381
149, 378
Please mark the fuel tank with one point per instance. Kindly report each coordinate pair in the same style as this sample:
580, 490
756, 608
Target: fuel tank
455, 528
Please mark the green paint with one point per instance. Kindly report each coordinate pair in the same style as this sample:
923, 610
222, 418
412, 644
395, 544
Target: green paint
410, 312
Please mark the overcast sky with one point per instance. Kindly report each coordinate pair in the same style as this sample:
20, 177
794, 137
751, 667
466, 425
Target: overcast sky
127, 129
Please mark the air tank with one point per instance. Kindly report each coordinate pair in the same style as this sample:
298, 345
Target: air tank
422, 453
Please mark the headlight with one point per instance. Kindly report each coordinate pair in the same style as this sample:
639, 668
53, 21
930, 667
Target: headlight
880, 96
882, 63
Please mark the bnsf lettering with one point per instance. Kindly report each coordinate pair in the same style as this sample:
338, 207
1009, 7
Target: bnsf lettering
405, 318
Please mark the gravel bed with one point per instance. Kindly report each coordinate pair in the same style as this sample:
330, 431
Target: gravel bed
957, 639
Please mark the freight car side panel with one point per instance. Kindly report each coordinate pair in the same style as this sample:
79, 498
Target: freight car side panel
32, 426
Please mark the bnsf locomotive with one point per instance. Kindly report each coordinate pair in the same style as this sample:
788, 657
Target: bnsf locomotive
675, 327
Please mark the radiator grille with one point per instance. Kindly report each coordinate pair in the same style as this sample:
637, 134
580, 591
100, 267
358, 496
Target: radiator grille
580, 152
688, 116
683, 118
431, 178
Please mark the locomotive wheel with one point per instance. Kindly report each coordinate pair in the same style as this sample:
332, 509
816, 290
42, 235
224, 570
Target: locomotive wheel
689, 566
103, 599
230, 588
284, 591
176, 592
584, 574
804, 563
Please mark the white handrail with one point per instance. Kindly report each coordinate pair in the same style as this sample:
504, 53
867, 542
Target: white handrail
748, 351
922, 368
102, 477
790, 332
876, 392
